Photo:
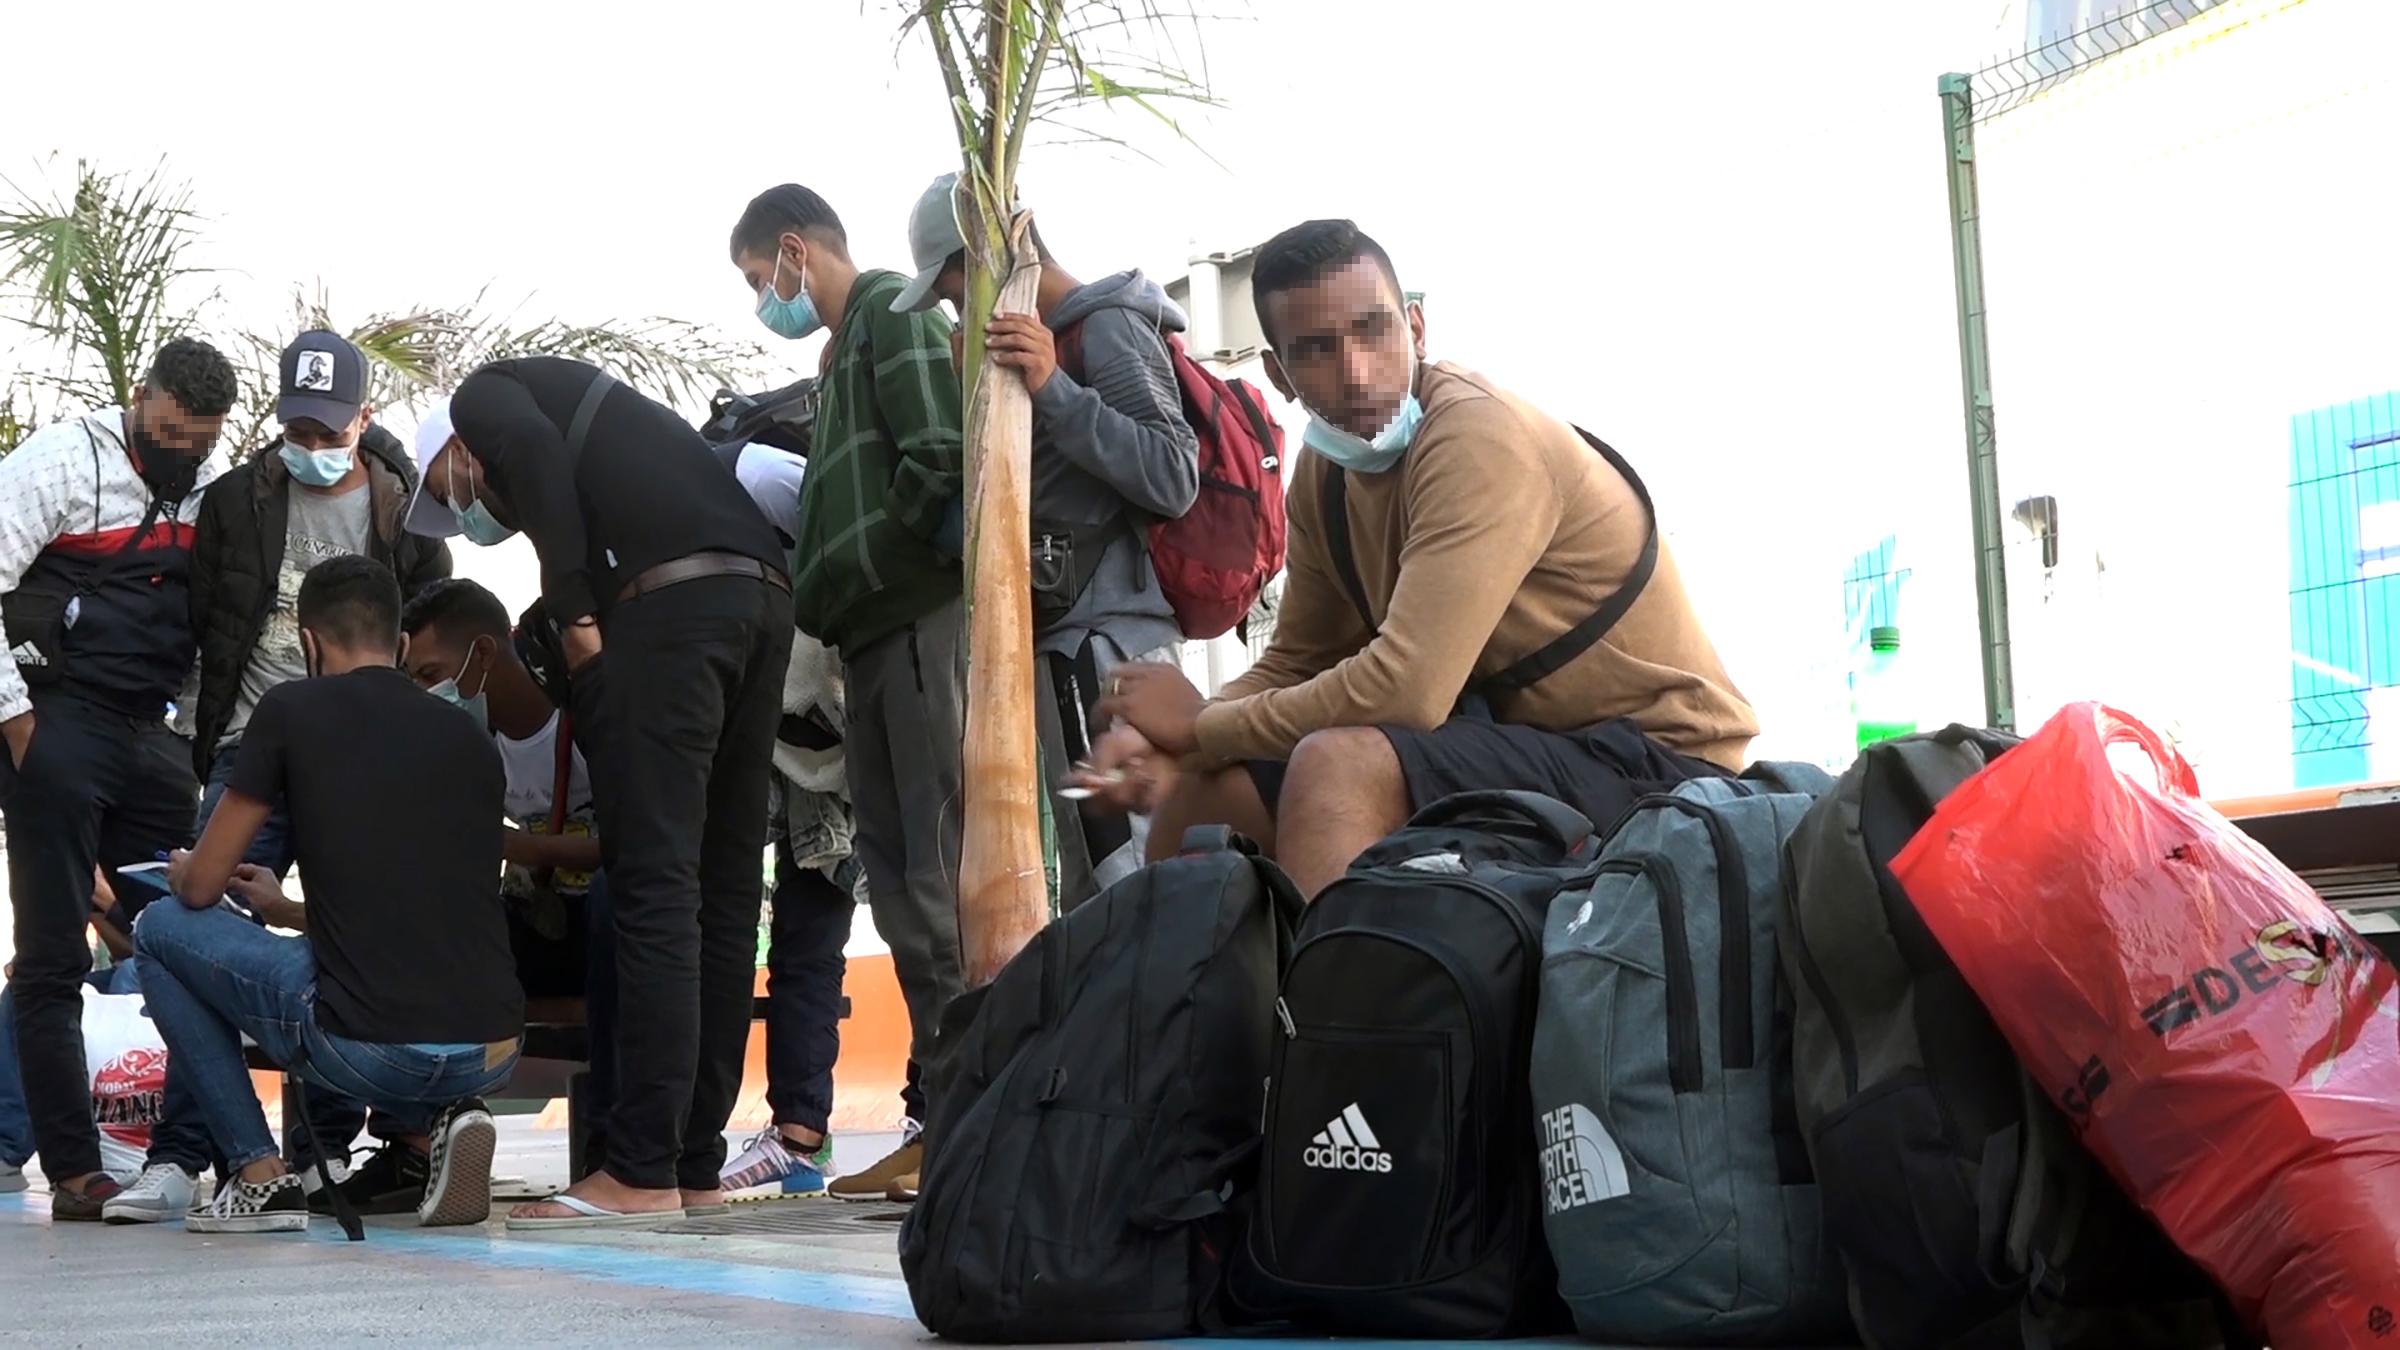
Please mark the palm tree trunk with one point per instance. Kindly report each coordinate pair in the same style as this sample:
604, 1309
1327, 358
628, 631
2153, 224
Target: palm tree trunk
1003, 894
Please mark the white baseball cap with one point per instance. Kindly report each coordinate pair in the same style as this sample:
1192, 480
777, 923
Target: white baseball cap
427, 515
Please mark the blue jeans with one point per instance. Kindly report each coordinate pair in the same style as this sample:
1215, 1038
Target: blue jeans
271, 848
211, 976
180, 1138
338, 1120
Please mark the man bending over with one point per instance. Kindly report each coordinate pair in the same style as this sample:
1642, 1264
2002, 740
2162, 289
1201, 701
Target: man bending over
1431, 654
402, 994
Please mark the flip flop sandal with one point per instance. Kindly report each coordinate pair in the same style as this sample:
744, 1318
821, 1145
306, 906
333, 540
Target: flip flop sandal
589, 1215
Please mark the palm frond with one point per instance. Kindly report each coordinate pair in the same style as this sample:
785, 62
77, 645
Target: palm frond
101, 273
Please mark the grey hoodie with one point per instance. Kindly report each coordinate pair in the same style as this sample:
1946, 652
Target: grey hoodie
1115, 445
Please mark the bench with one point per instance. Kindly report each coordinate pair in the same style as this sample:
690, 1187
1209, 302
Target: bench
554, 1062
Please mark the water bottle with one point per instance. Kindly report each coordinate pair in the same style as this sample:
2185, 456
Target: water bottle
1879, 701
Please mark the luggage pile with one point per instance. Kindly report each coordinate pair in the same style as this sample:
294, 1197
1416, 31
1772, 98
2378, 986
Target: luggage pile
1987, 1044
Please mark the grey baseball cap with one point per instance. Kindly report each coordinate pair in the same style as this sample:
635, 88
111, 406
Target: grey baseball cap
933, 235
324, 380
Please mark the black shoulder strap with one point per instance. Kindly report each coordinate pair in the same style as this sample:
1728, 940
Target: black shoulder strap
585, 411
116, 560
1554, 655
1337, 541
729, 454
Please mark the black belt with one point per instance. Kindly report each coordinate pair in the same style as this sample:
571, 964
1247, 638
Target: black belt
692, 567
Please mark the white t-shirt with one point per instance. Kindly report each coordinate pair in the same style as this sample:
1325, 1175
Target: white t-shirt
772, 478
532, 768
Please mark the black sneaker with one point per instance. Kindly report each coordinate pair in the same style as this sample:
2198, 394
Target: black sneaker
68, 1207
458, 1187
276, 1205
390, 1182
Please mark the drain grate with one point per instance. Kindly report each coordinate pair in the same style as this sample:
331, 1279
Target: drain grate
793, 1218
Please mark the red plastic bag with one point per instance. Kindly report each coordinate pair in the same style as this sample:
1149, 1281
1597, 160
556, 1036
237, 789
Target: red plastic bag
2226, 1045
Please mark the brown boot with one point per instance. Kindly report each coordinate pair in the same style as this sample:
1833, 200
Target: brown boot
875, 1183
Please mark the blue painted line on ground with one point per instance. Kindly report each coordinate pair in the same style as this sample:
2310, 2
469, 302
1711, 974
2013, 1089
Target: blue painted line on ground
826, 1291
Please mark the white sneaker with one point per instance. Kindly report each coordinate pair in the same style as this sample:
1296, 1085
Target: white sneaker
163, 1191
458, 1179
12, 1179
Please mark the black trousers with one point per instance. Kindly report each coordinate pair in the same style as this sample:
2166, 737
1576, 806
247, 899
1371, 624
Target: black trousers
677, 721
98, 788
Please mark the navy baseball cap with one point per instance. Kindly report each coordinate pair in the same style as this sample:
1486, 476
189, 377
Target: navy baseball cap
324, 380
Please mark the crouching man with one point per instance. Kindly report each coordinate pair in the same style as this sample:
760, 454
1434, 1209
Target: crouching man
402, 994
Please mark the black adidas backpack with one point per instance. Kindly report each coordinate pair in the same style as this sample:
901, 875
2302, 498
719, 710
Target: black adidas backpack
1095, 1111
1400, 1189
1956, 1196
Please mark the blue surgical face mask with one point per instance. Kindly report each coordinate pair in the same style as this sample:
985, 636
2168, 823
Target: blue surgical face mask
318, 468
793, 318
472, 705
475, 520
1360, 454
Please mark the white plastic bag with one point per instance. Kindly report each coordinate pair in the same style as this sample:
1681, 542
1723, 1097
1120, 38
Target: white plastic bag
128, 1060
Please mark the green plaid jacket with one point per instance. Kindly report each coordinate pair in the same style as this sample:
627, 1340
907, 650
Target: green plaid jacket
885, 465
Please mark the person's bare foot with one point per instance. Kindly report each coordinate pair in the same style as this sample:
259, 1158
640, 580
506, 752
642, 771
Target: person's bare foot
708, 1199
607, 1193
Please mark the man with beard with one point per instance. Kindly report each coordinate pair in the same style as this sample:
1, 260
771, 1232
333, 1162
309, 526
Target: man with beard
95, 637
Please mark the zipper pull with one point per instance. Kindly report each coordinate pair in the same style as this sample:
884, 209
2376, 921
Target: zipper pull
1283, 1014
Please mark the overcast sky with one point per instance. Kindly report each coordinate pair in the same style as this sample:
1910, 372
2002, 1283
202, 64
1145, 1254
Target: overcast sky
1713, 233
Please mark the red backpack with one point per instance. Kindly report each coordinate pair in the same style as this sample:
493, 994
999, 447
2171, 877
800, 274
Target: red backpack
1214, 559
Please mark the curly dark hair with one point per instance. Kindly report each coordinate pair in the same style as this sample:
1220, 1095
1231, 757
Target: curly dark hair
1308, 252
196, 375
786, 209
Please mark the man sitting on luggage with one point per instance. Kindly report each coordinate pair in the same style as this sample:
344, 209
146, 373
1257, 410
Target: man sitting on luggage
401, 995
1480, 531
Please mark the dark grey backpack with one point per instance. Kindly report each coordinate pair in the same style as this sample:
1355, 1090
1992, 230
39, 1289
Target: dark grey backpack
1677, 1197
1096, 1109
1961, 1205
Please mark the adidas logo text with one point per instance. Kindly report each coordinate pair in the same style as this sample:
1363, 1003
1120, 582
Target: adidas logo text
26, 654
1347, 1144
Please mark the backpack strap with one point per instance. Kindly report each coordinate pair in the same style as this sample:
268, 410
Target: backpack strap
1069, 342
1337, 541
585, 411
729, 454
561, 777
1554, 655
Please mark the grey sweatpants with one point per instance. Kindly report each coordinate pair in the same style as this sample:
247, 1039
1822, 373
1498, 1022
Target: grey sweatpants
907, 705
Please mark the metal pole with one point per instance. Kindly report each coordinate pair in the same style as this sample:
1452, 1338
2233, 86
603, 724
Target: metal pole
1975, 378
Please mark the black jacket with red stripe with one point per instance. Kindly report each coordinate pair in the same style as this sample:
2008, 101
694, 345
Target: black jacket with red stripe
73, 546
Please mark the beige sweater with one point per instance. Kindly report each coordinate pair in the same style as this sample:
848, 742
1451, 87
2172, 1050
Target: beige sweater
1499, 530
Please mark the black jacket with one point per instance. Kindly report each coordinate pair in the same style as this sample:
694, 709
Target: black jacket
240, 549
